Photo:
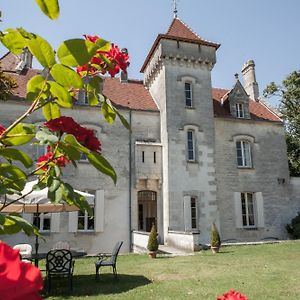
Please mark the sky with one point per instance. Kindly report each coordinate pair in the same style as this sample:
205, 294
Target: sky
266, 31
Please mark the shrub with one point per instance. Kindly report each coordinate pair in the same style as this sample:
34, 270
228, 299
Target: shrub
152, 241
294, 227
215, 240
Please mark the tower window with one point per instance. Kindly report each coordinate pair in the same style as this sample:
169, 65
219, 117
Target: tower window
188, 94
190, 145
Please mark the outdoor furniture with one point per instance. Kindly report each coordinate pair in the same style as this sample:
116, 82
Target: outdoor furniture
25, 251
108, 259
61, 245
59, 263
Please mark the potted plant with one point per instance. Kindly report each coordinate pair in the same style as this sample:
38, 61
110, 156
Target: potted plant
152, 242
215, 241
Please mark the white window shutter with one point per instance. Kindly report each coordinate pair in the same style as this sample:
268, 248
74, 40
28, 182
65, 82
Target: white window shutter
238, 210
187, 213
73, 221
28, 217
260, 209
99, 211
55, 222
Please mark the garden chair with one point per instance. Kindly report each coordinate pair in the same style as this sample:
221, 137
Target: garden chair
108, 259
25, 251
59, 263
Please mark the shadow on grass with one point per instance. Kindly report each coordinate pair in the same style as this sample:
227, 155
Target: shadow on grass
86, 285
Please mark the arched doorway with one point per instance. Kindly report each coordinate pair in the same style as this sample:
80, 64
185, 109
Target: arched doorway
147, 210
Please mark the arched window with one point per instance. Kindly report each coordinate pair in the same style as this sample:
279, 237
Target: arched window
243, 153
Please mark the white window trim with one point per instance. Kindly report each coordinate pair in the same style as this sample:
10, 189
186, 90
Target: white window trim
86, 217
193, 198
187, 210
193, 149
244, 154
240, 110
42, 217
190, 90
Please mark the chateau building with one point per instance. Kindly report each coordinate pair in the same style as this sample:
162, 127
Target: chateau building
195, 155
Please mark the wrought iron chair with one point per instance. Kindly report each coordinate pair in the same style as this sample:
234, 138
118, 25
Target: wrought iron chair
59, 263
108, 259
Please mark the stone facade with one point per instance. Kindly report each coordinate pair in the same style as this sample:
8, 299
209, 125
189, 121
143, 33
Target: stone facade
185, 164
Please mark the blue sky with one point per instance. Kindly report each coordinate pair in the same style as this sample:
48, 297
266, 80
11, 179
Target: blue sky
266, 31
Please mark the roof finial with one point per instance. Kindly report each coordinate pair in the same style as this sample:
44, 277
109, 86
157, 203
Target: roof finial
175, 9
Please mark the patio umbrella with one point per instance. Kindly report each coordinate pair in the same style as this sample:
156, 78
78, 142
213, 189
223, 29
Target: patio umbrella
38, 202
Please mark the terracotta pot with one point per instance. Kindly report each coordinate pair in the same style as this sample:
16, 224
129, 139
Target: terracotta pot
152, 254
215, 249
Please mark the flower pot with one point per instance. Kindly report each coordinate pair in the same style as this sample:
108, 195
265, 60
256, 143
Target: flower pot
215, 249
152, 254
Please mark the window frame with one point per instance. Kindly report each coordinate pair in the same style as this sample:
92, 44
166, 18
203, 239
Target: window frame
240, 110
191, 145
86, 219
194, 213
245, 210
244, 152
41, 218
188, 98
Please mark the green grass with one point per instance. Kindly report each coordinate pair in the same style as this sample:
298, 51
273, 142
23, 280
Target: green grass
261, 272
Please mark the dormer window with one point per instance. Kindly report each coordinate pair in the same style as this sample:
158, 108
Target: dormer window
188, 94
240, 110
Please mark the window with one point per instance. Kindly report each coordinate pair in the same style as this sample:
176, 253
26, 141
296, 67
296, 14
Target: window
193, 213
248, 209
190, 145
42, 221
83, 157
154, 157
243, 151
188, 94
86, 222
143, 156
240, 113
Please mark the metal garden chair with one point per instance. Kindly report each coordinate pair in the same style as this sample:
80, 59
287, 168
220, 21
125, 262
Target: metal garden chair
108, 259
59, 263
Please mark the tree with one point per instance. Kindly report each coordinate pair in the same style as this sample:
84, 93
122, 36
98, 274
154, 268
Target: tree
152, 241
289, 96
78, 64
7, 84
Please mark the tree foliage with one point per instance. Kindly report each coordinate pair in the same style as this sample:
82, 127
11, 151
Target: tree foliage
152, 241
289, 96
215, 240
7, 84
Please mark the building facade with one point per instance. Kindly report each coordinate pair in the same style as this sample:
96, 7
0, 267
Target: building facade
195, 155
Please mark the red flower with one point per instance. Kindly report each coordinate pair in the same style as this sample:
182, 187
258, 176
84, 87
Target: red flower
232, 295
2, 129
91, 38
18, 280
83, 135
61, 161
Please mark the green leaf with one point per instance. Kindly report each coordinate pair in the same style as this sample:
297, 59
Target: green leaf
61, 95
94, 89
101, 164
53, 184
51, 111
70, 151
56, 196
42, 50
123, 120
70, 139
66, 76
45, 136
76, 52
108, 112
19, 135
14, 154
71, 197
36, 86
49, 7
12, 177
13, 223
13, 41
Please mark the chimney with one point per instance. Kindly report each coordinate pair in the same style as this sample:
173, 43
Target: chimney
124, 75
25, 61
250, 84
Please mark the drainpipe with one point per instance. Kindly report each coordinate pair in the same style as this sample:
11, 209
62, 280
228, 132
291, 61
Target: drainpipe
130, 180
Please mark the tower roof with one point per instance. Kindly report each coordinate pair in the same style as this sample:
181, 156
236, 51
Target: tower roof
180, 32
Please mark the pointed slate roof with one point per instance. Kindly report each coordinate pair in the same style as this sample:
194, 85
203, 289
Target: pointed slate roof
178, 31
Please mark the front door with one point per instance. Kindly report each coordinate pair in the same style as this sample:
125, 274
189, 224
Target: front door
147, 208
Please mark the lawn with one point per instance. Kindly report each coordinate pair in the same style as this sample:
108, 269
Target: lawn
261, 272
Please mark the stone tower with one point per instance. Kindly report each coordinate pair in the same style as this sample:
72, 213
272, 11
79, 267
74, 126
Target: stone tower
177, 72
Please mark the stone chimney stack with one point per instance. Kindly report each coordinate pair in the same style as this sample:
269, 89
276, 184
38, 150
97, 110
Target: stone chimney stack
250, 84
27, 58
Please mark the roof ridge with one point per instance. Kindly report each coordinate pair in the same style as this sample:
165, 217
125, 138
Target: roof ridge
188, 27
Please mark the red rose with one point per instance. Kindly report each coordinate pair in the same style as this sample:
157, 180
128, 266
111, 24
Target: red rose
232, 295
2, 129
18, 280
91, 38
61, 161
